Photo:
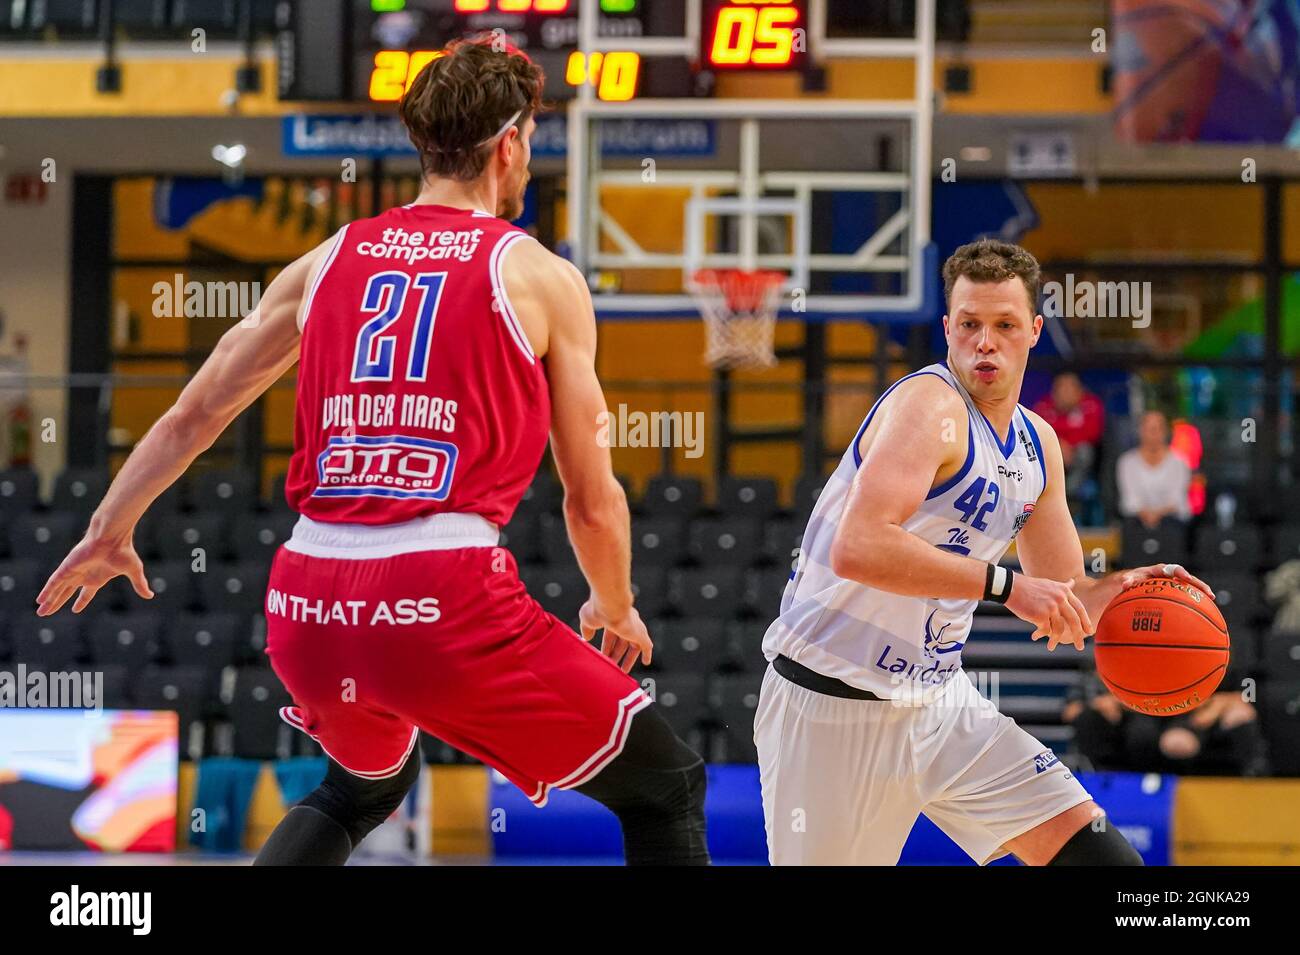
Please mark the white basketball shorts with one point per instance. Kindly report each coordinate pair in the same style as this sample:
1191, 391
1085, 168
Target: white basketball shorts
844, 780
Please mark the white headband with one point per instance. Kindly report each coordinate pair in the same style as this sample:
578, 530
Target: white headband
502, 131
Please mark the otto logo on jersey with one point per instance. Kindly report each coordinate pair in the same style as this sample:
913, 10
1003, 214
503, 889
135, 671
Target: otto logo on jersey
390, 466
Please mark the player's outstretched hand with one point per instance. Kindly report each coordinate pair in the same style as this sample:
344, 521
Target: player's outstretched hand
625, 639
1052, 607
89, 566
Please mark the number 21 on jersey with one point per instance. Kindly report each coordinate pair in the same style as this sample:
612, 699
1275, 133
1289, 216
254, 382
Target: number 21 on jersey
386, 294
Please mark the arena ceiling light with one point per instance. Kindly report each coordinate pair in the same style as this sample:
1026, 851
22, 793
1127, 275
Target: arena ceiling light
232, 156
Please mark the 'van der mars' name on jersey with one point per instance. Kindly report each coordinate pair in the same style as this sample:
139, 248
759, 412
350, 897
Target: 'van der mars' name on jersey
418, 390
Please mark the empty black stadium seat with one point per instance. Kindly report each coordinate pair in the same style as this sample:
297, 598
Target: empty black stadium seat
20, 582
234, 588
1279, 710
172, 583
553, 539
734, 701
733, 541
781, 539
1284, 544
682, 698
561, 590
169, 502
254, 712
650, 588
764, 589
258, 536
275, 499
184, 689
178, 537
1280, 655
520, 537
1140, 546
707, 591
660, 541
690, 645
1240, 547
806, 491
228, 491
751, 497
745, 645
19, 491
669, 495
1237, 595
114, 686
79, 490
130, 639
47, 643
544, 496
44, 538
201, 639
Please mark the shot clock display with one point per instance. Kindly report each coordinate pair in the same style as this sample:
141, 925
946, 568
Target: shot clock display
755, 34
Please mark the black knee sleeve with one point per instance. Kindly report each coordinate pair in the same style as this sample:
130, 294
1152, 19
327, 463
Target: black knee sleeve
357, 804
1104, 846
656, 787
325, 827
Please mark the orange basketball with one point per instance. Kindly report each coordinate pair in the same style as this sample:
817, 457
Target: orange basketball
1162, 647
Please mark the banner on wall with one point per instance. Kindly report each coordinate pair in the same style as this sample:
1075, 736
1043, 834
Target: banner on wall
374, 135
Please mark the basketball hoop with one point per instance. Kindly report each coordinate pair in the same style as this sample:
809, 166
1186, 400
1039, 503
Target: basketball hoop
739, 308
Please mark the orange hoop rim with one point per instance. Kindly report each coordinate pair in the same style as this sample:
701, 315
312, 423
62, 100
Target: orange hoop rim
743, 289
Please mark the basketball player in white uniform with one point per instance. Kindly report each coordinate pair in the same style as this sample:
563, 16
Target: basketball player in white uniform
866, 718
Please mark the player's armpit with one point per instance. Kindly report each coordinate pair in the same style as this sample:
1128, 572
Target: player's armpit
919, 434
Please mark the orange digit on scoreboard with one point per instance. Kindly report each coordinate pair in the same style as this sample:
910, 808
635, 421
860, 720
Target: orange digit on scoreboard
757, 33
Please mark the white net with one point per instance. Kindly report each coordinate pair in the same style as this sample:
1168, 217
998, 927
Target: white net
739, 308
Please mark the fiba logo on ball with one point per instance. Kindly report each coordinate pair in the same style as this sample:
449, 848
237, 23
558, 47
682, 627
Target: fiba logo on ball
1148, 620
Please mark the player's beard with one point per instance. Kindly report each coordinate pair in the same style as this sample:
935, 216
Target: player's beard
512, 206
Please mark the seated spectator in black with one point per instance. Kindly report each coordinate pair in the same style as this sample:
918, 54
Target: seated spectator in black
1153, 481
1219, 738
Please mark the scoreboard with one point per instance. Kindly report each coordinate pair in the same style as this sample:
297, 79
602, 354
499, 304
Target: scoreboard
371, 50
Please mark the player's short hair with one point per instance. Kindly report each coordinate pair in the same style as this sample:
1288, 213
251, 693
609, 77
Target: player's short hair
460, 100
988, 260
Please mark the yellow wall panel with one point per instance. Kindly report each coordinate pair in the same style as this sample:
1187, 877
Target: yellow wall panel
1236, 822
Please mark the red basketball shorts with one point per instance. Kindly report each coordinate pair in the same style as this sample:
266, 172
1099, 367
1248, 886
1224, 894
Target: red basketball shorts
375, 634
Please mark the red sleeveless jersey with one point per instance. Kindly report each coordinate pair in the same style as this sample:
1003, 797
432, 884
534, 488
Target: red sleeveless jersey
418, 392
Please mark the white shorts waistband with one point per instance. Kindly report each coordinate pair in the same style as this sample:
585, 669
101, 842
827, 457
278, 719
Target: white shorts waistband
365, 541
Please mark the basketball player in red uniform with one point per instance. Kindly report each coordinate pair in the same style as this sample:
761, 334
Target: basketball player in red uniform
437, 345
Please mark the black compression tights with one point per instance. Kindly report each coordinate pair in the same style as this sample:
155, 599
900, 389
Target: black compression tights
656, 788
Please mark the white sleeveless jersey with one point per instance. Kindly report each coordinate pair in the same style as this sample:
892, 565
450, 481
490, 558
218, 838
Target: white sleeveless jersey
908, 647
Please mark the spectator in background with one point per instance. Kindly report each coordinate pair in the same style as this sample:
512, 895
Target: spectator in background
1077, 417
1221, 737
1153, 481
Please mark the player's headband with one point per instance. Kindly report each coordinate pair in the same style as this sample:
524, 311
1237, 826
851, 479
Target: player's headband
502, 131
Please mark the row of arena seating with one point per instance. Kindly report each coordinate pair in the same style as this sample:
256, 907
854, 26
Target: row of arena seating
708, 579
